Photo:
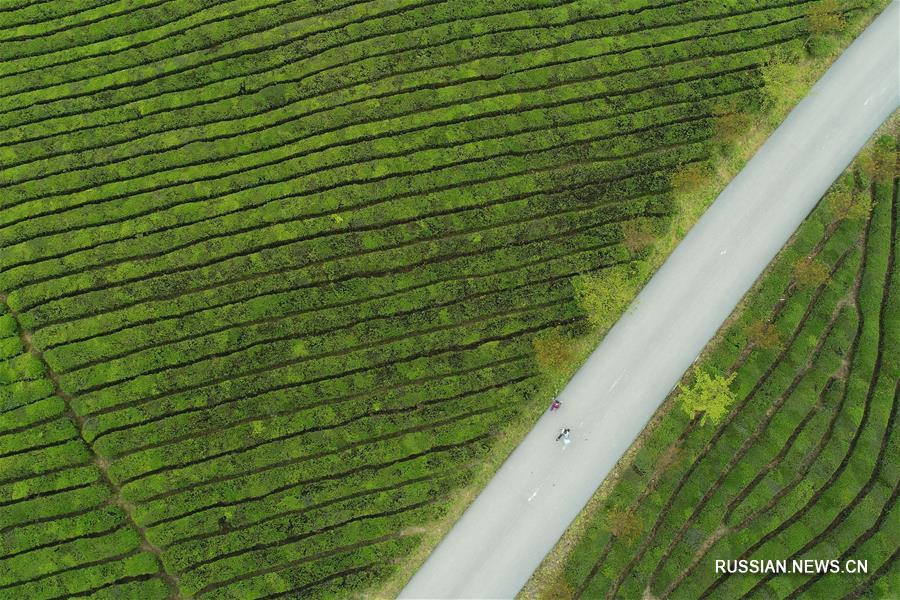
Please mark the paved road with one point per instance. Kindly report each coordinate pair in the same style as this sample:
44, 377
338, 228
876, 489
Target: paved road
500, 540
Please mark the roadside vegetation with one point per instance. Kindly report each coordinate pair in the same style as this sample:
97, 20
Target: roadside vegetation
277, 276
781, 443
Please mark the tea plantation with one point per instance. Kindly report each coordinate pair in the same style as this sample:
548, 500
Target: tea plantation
803, 465
271, 271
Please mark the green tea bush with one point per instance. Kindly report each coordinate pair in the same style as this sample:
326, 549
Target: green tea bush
274, 272
797, 465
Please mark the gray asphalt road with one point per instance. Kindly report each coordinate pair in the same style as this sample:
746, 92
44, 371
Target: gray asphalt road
500, 540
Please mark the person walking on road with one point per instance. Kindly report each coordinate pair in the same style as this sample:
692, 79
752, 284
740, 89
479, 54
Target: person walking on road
556, 404
563, 435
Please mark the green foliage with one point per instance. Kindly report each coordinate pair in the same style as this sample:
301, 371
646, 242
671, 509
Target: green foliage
293, 262
605, 295
879, 160
825, 17
797, 463
624, 523
709, 396
784, 82
847, 202
763, 334
810, 273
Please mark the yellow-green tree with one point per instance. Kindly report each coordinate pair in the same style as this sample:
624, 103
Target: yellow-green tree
784, 82
604, 295
708, 396
846, 203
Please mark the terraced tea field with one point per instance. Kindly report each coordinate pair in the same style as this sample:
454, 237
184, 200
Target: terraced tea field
272, 271
803, 466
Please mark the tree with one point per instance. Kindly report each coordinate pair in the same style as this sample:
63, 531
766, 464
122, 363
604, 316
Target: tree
810, 273
709, 395
553, 352
784, 82
763, 334
845, 203
603, 296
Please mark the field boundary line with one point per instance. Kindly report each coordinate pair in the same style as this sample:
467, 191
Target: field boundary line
101, 463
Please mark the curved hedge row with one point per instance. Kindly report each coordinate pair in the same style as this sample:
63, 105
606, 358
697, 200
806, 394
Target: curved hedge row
801, 466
